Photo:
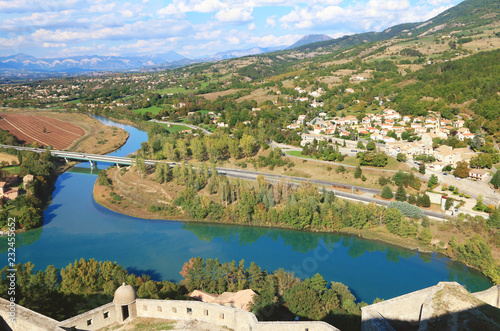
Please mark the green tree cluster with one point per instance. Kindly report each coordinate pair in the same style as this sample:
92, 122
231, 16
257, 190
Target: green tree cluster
79, 287
374, 159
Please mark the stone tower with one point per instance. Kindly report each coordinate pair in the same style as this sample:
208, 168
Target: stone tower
125, 303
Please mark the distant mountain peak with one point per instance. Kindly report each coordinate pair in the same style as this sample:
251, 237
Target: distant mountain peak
84, 63
309, 39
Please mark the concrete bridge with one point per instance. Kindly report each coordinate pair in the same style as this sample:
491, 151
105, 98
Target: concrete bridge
75, 156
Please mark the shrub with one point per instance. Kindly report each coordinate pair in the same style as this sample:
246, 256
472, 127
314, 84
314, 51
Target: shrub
424, 201
340, 169
358, 172
401, 193
386, 193
407, 209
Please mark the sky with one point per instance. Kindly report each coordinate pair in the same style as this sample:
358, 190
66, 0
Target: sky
192, 28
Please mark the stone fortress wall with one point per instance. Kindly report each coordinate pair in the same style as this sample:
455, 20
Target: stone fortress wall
491, 296
127, 307
408, 309
414, 310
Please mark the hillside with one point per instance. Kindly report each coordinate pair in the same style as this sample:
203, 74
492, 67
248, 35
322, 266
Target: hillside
309, 39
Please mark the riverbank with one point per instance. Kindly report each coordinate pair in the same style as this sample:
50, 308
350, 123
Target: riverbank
130, 194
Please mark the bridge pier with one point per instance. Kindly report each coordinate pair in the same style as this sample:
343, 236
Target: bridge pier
91, 164
66, 160
118, 166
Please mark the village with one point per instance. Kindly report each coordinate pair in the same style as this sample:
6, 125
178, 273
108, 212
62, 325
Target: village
395, 134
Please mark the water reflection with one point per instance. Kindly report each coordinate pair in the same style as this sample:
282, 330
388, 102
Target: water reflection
23, 239
302, 242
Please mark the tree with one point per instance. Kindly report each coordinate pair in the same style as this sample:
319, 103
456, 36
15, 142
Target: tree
401, 194
424, 201
401, 157
449, 203
198, 149
478, 141
358, 172
140, 166
494, 219
433, 181
386, 192
247, 144
495, 181
360, 145
462, 169
421, 168
102, 179
370, 146
425, 236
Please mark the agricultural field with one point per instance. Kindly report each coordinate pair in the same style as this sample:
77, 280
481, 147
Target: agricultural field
214, 95
43, 130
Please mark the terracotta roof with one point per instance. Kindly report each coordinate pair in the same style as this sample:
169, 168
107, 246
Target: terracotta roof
202, 296
240, 299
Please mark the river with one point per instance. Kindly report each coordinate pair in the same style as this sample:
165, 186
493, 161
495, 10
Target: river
75, 226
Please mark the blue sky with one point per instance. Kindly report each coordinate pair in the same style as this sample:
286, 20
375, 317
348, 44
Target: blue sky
193, 28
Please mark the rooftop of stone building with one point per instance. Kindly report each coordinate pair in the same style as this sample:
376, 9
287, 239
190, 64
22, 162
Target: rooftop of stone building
124, 295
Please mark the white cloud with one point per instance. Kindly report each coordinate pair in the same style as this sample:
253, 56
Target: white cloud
27, 24
143, 29
102, 8
179, 7
12, 43
234, 15
271, 21
208, 34
53, 45
272, 40
30, 6
438, 2
233, 40
372, 15
434, 12
251, 26
127, 13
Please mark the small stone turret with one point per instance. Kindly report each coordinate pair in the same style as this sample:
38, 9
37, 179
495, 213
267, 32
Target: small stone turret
125, 303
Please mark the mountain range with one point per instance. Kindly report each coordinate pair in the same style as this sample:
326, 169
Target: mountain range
466, 14
84, 63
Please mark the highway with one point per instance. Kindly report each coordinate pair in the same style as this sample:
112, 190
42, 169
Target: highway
234, 173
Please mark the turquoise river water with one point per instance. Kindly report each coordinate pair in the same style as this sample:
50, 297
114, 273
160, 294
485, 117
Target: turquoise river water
75, 226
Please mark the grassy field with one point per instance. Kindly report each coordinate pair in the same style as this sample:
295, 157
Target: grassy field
12, 169
175, 128
260, 95
298, 154
153, 109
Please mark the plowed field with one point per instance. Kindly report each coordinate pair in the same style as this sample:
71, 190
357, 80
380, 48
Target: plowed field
43, 130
